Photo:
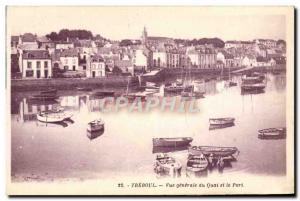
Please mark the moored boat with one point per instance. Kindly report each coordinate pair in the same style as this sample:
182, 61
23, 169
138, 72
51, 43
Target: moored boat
272, 133
49, 92
165, 163
43, 97
232, 84
197, 163
83, 89
215, 150
172, 142
250, 87
221, 121
104, 93
53, 117
95, 125
251, 79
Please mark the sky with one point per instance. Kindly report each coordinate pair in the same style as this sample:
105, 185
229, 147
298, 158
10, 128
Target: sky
118, 23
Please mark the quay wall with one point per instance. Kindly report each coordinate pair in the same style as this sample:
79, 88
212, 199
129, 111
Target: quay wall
71, 83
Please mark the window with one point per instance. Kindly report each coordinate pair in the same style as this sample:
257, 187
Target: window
38, 64
45, 64
66, 61
29, 64
74, 61
29, 73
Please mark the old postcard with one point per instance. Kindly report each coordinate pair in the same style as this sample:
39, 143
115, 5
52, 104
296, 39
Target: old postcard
150, 100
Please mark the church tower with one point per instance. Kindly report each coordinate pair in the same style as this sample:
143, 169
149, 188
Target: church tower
144, 36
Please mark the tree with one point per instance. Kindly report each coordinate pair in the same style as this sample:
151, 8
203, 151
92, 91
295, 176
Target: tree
126, 42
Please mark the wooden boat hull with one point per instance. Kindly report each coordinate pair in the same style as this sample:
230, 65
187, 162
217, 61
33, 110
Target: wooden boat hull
94, 134
216, 151
83, 89
196, 164
50, 118
43, 98
49, 92
221, 121
272, 133
104, 93
251, 87
171, 142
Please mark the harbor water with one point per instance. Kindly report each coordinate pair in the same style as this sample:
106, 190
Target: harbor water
50, 152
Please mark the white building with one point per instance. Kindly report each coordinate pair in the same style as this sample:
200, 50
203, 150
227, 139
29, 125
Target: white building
249, 60
36, 64
140, 59
95, 67
69, 60
64, 45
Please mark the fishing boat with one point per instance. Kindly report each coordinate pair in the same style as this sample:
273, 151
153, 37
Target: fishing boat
95, 125
215, 127
43, 97
83, 89
253, 87
49, 92
165, 163
53, 117
251, 79
104, 93
260, 75
216, 151
272, 133
197, 163
172, 142
221, 121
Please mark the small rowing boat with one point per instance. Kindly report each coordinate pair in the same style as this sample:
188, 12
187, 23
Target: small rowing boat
172, 142
216, 151
197, 163
83, 89
53, 117
272, 133
221, 121
95, 125
165, 163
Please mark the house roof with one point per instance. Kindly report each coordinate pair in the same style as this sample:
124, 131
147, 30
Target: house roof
69, 53
262, 59
123, 63
36, 54
97, 58
158, 38
28, 37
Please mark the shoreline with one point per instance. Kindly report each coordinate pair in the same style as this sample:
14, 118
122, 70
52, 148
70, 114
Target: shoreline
19, 85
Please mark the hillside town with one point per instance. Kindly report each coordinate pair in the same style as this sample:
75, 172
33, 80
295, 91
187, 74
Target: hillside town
37, 57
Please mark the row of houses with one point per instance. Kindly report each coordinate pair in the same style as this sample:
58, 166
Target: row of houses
38, 57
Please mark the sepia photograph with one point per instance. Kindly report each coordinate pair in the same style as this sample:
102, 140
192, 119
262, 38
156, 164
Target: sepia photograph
150, 100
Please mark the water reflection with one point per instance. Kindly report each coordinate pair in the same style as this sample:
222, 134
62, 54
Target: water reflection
134, 132
94, 134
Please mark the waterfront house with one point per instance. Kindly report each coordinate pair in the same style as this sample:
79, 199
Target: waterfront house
140, 59
249, 60
36, 64
95, 67
159, 58
69, 60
